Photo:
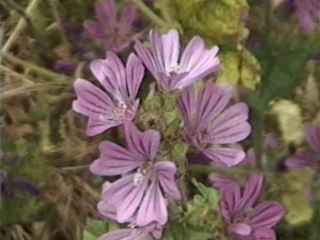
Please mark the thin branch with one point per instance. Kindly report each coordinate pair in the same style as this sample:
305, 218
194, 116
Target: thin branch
33, 67
21, 25
150, 14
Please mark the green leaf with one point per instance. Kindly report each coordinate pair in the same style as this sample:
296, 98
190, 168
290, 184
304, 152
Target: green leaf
88, 236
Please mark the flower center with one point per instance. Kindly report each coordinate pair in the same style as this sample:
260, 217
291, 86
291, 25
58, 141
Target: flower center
174, 69
138, 178
122, 112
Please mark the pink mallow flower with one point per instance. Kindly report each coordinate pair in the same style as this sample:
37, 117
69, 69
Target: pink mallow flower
308, 13
307, 158
212, 127
113, 30
245, 219
171, 69
140, 195
117, 104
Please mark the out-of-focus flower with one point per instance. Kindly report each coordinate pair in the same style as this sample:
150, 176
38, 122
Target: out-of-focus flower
308, 13
114, 30
246, 219
139, 195
309, 158
213, 128
271, 142
11, 186
119, 104
172, 71
143, 233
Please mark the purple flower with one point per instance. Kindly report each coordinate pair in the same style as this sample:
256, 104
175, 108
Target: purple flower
139, 195
118, 104
172, 72
112, 29
213, 128
247, 220
309, 158
144, 233
271, 142
308, 13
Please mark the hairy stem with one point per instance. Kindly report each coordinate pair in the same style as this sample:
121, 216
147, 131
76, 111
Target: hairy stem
21, 25
55, 12
150, 14
33, 67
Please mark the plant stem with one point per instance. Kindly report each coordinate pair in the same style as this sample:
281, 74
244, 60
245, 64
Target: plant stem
40, 70
55, 12
150, 14
20, 26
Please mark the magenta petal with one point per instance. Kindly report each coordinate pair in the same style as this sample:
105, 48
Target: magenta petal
227, 156
114, 160
231, 126
146, 56
212, 100
130, 203
95, 104
128, 16
135, 73
153, 207
144, 143
301, 160
241, 229
125, 234
94, 29
264, 234
252, 191
106, 12
167, 171
267, 215
171, 50
106, 209
192, 53
313, 137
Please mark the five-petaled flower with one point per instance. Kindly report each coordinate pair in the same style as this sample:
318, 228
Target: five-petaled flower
118, 104
140, 195
162, 60
309, 158
112, 30
246, 219
209, 125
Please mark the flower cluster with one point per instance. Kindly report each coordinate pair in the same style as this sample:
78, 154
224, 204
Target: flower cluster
145, 178
247, 220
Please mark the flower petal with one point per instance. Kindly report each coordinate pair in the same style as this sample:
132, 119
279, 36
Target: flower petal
313, 137
134, 75
146, 143
146, 56
264, 234
106, 12
167, 171
95, 104
126, 234
267, 215
302, 160
227, 156
153, 207
126, 196
231, 126
114, 160
171, 50
252, 191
